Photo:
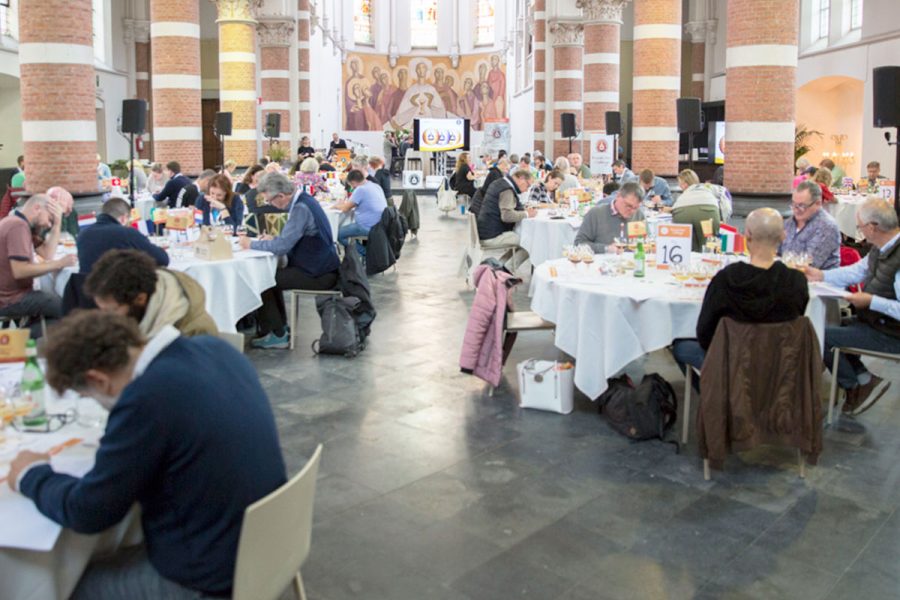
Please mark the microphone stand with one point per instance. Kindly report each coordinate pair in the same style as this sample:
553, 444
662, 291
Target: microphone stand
887, 137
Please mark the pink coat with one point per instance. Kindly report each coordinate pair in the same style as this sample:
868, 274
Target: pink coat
482, 349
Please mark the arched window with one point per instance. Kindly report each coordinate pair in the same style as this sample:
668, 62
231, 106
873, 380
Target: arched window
362, 22
484, 22
423, 23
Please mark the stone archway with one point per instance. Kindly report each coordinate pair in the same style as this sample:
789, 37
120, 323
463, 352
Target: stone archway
834, 106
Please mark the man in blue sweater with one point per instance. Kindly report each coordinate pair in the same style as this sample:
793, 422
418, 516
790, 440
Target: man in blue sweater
110, 232
172, 192
192, 452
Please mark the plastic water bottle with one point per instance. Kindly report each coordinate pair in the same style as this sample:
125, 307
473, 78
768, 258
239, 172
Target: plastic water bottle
33, 386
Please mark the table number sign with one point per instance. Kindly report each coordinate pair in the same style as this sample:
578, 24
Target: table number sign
673, 245
886, 190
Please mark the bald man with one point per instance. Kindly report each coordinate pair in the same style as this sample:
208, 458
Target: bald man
67, 205
761, 291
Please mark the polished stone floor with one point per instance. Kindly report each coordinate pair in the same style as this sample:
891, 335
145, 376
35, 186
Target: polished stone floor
430, 489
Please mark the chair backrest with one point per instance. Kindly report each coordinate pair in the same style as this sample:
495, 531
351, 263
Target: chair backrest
275, 537
474, 241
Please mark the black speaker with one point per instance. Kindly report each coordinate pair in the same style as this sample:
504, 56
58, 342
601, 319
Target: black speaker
886, 90
567, 124
134, 116
223, 123
613, 123
689, 119
273, 125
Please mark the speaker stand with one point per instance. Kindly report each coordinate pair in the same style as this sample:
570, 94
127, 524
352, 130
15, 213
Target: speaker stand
570, 145
690, 151
131, 169
896, 144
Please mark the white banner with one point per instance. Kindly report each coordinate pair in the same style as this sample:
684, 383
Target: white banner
496, 137
602, 153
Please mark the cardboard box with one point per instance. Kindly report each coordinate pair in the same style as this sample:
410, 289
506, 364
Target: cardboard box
180, 219
213, 245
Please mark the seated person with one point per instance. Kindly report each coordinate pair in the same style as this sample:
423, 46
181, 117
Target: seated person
309, 178
501, 210
305, 150
18, 178
541, 190
380, 175
191, 452
156, 181
111, 231
312, 263
837, 173
622, 174
324, 165
129, 283
219, 201
695, 205
368, 203
609, 220
228, 170
811, 229
610, 190
496, 172
656, 189
192, 192
541, 163
18, 268
249, 180
801, 165
171, 193
579, 169
764, 290
67, 205
563, 165
823, 178
876, 325
136, 168
873, 180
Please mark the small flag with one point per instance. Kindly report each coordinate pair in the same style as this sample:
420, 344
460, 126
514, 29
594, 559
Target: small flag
86, 220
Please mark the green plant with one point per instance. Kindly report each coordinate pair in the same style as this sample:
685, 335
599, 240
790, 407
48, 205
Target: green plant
802, 135
119, 168
277, 153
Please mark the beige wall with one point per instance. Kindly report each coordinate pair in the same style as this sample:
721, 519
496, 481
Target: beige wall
833, 105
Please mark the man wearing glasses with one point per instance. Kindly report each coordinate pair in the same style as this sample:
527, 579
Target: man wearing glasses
877, 322
609, 220
811, 230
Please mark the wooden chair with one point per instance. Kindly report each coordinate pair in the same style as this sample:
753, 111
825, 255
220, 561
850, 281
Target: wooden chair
275, 538
833, 396
516, 322
475, 252
295, 296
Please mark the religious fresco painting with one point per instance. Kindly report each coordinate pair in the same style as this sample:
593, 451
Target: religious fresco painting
378, 97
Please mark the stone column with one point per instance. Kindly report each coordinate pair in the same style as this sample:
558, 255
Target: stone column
696, 31
237, 77
59, 128
602, 25
142, 79
760, 70
274, 54
568, 76
657, 84
303, 66
540, 74
175, 83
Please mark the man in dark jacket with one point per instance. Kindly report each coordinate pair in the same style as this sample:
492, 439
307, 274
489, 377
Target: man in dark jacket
764, 290
312, 262
110, 232
193, 452
495, 173
171, 192
500, 212
381, 176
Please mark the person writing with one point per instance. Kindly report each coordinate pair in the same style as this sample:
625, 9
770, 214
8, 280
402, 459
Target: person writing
655, 189
810, 229
541, 191
368, 203
696, 205
500, 212
609, 220
221, 201
111, 232
171, 194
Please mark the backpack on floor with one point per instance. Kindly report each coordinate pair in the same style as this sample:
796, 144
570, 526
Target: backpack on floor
340, 333
643, 413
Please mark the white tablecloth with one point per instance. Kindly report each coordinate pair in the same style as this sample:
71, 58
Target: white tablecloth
607, 322
844, 212
334, 219
233, 287
143, 206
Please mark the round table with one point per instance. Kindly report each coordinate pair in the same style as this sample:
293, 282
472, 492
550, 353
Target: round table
844, 212
606, 322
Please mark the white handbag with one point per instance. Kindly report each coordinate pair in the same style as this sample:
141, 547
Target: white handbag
546, 385
446, 198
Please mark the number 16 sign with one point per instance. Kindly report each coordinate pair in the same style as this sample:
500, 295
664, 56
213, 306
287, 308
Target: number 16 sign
673, 245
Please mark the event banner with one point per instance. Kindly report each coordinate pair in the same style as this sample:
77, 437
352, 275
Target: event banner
601, 153
496, 137
379, 97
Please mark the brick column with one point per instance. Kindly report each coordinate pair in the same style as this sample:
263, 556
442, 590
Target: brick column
59, 128
274, 54
760, 68
657, 84
540, 69
237, 77
303, 66
568, 76
175, 83
602, 25
142, 79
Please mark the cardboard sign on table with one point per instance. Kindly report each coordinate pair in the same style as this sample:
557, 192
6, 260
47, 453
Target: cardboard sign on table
673, 245
637, 229
12, 345
212, 245
886, 190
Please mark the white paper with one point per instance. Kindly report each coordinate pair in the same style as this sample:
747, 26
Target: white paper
824, 290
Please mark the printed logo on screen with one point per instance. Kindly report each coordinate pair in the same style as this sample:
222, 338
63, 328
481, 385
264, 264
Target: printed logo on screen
601, 145
441, 137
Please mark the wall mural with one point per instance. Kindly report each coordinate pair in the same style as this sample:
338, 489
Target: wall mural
378, 97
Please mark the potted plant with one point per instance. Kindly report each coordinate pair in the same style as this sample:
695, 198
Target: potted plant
802, 136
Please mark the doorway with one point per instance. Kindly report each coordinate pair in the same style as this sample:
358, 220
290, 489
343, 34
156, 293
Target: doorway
209, 108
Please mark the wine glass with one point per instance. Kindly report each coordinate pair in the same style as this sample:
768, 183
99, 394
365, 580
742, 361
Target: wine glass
789, 259
680, 272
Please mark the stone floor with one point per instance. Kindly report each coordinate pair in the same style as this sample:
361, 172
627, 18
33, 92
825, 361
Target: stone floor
430, 489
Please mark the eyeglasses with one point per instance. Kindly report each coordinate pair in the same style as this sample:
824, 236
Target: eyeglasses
800, 206
51, 423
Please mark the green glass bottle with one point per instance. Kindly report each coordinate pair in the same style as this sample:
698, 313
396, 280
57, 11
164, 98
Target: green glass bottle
640, 260
32, 386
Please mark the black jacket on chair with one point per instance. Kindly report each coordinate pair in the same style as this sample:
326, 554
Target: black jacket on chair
384, 242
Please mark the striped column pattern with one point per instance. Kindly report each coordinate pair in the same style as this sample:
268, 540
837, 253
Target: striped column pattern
59, 127
696, 32
540, 68
602, 26
657, 84
142, 83
237, 77
760, 68
303, 32
175, 83
274, 55
568, 77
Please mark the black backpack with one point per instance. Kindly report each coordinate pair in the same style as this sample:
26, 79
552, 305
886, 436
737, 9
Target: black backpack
643, 413
340, 332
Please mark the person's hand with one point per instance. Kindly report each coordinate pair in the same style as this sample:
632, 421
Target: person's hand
69, 260
55, 211
532, 212
216, 205
813, 274
859, 299
244, 242
20, 463
265, 237
667, 209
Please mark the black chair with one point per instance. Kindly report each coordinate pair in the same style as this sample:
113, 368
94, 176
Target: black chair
74, 296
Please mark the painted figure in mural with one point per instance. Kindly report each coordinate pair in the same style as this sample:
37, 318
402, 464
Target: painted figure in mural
362, 111
497, 81
469, 105
452, 99
375, 88
400, 92
420, 100
385, 103
491, 108
355, 119
482, 78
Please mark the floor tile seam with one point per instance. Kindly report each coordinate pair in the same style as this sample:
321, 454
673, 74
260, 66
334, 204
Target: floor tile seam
859, 554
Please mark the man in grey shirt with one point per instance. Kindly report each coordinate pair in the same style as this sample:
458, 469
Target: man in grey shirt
501, 211
605, 222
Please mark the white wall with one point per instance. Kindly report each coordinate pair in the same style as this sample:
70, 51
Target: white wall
325, 90
10, 124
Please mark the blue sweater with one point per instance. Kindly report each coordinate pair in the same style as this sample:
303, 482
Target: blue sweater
170, 191
193, 452
108, 234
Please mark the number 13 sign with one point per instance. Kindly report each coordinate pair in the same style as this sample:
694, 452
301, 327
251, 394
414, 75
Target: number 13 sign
673, 245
